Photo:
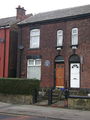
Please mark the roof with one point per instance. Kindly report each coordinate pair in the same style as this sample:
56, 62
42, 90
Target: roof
8, 21
57, 14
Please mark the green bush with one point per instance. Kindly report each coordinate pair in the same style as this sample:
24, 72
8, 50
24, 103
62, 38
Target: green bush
18, 86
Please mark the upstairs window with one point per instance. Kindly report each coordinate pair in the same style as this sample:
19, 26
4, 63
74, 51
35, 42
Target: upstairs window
60, 38
74, 37
35, 38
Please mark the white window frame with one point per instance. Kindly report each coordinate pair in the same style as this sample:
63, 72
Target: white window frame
60, 38
35, 33
74, 37
31, 69
33, 62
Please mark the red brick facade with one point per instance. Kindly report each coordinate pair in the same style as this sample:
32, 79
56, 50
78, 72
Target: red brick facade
4, 45
8, 43
48, 50
8, 54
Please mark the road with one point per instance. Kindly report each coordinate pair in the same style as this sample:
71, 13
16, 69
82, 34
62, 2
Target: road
30, 112
4, 116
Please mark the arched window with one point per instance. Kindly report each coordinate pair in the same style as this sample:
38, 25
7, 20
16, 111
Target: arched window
60, 38
74, 37
35, 38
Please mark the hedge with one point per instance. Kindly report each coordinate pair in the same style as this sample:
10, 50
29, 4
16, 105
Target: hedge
18, 86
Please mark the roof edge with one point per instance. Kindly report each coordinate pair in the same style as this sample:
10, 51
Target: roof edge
58, 19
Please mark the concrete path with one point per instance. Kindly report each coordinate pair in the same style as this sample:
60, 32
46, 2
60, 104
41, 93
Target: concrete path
5, 116
48, 112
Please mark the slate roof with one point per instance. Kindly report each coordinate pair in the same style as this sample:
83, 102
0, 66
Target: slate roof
8, 21
57, 14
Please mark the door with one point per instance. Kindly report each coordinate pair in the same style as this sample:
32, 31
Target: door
60, 75
75, 75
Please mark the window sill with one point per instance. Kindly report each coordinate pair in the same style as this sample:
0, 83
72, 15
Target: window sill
74, 46
33, 49
57, 47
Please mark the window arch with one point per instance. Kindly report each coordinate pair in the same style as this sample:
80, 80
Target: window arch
59, 59
74, 59
74, 37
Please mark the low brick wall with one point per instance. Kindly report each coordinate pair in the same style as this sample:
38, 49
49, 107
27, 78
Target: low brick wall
16, 99
79, 103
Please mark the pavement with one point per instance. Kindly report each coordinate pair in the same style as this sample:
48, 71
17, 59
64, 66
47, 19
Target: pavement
47, 112
4, 116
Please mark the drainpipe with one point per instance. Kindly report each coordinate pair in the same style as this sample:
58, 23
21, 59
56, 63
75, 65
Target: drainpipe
20, 48
4, 52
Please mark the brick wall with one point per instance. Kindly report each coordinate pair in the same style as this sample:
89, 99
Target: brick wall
48, 51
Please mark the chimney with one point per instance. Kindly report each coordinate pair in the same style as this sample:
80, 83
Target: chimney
20, 13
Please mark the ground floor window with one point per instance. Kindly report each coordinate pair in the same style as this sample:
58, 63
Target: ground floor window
34, 68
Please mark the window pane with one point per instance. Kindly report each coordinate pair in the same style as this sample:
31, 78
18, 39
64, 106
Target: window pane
59, 38
35, 38
35, 32
37, 62
75, 31
75, 36
60, 32
30, 62
34, 42
74, 40
34, 72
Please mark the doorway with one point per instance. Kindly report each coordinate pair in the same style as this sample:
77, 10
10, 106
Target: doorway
59, 72
74, 71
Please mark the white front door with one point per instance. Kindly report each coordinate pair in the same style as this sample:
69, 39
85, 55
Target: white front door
75, 75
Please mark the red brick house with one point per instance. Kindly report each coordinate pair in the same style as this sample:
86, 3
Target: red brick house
8, 43
55, 48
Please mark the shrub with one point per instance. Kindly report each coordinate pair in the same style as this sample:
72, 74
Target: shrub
18, 85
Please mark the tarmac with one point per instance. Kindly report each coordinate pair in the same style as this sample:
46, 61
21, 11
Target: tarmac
47, 111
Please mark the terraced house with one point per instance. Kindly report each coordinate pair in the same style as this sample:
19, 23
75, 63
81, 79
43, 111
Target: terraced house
8, 43
55, 48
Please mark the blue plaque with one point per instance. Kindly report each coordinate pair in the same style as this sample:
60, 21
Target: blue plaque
47, 63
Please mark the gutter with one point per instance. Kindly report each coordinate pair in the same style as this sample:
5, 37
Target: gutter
4, 27
20, 48
4, 51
